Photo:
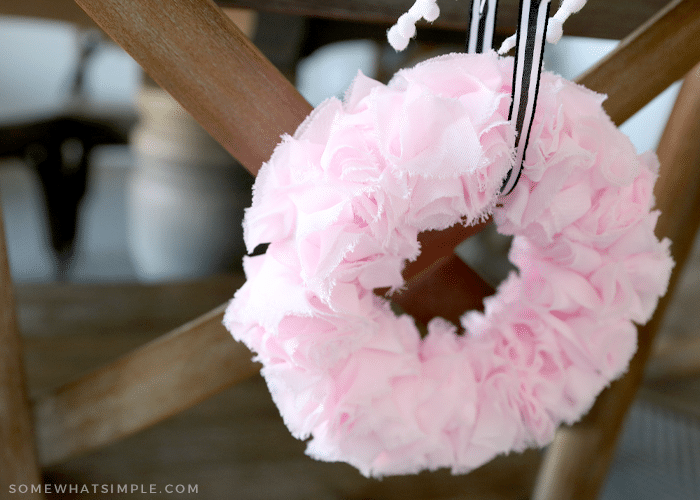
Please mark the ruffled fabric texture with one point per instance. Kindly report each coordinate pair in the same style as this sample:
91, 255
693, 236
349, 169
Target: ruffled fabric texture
341, 204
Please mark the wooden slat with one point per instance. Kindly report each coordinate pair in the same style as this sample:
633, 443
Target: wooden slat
644, 64
613, 19
578, 459
198, 55
18, 464
76, 328
160, 379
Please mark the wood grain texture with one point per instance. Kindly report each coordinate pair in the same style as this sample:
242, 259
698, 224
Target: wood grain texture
72, 329
195, 52
613, 19
85, 326
146, 386
644, 64
18, 464
577, 461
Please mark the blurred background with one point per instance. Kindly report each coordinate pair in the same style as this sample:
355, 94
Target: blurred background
105, 179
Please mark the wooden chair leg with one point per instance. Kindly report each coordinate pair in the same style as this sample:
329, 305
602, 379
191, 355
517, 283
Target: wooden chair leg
577, 461
18, 464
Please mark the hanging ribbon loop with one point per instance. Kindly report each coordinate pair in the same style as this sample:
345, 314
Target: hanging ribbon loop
527, 68
529, 40
482, 22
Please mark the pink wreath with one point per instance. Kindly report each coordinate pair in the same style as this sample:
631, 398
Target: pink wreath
342, 203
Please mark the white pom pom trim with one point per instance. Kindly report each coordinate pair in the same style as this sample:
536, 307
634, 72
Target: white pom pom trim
555, 25
405, 28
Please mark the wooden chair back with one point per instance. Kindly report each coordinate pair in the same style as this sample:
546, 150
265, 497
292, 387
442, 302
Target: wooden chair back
196, 53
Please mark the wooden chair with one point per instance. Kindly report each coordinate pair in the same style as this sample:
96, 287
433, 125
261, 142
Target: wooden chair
199, 56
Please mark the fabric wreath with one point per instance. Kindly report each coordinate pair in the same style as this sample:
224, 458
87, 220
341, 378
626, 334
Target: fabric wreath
341, 205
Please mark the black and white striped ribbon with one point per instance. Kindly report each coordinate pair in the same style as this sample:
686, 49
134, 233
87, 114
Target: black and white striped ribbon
529, 50
481, 26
